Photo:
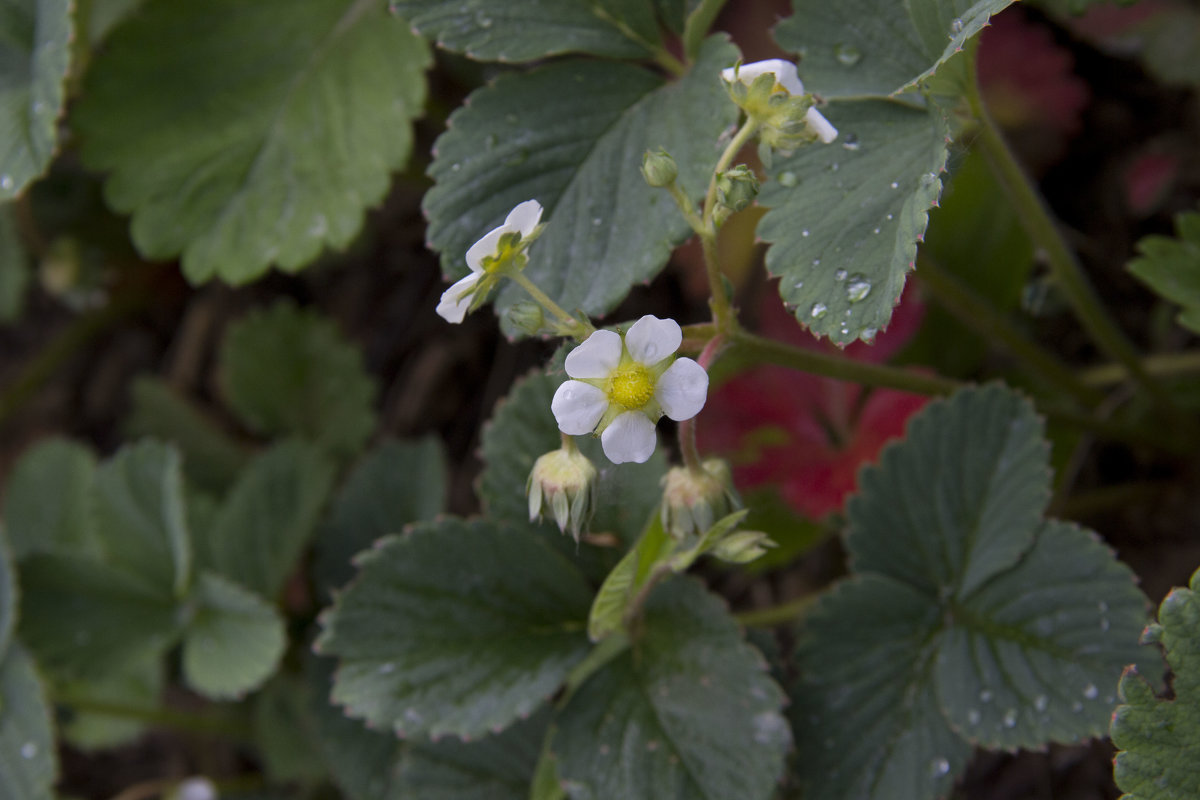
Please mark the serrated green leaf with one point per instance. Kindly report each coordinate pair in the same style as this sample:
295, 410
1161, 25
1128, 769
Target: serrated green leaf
139, 518
81, 617
1172, 266
571, 135
688, 712
1158, 739
395, 484
35, 54
211, 458
526, 30
268, 518
136, 685
865, 48
14, 269
496, 767
970, 621
962, 497
285, 731
289, 371
845, 218
522, 429
292, 119
456, 628
46, 501
28, 764
234, 640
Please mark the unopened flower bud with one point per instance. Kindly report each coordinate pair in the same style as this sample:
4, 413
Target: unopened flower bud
737, 187
695, 499
526, 317
659, 168
742, 547
562, 483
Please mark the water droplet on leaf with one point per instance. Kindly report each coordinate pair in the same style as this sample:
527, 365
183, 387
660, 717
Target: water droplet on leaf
858, 289
939, 767
818, 310
840, 275
1091, 692
788, 179
847, 54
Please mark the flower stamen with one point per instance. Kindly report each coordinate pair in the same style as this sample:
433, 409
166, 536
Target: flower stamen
632, 386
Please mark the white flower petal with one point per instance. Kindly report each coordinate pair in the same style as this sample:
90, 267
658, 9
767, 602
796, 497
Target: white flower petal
524, 217
682, 389
597, 357
578, 407
820, 126
784, 72
650, 339
487, 246
629, 437
457, 299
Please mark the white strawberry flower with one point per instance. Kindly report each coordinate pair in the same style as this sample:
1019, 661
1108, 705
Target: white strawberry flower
500, 249
788, 82
621, 385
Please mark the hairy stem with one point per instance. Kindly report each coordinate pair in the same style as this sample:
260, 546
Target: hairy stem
722, 310
579, 329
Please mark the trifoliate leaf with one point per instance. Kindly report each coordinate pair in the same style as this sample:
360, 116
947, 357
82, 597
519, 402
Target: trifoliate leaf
456, 628
496, 767
81, 617
234, 640
292, 119
1159, 739
14, 268
845, 218
571, 135
211, 458
688, 712
46, 501
1172, 267
863, 48
522, 429
268, 518
135, 685
289, 371
35, 54
395, 484
971, 620
28, 764
139, 517
525, 30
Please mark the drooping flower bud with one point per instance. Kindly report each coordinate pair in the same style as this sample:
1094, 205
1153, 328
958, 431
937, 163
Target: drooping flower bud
659, 168
562, 484
694, 499
742, 547
526, 317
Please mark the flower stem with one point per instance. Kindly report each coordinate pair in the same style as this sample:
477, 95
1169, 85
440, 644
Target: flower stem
722, 310
773, 616
579, 329
1162, 365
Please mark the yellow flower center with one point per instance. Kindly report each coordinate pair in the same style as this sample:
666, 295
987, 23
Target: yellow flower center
632, 386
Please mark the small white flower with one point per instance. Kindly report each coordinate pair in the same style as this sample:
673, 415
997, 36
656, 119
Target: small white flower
788, 81
494, 249
621, 386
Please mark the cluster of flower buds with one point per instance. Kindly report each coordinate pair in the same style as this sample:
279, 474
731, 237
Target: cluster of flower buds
771, 94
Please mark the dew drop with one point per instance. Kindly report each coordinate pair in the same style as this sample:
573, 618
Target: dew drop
845, 328
875, 231
889, 216
850, 142
455, 167
1091, 692
6, 182
939, 767
1040, 702
1104, 624
834, 167
413, 716
973, 716
847, 54
485, 22
29, 750
840, 275
858, 289
895, 185
869, 334
818, 310
597, 222
788, 179
985, 696
956, 27
38, 106
816, 262
799, 284
805, 232
1010, 718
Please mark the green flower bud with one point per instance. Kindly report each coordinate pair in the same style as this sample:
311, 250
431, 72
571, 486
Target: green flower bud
562, 483
526, 317
659, 168
737, 187
742, 547
695, 499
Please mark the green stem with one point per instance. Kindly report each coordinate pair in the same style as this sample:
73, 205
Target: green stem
747, 349
722, 310
686, 207
773, 616
976, 313
669, 62
222, 725
1162, 365
1067, 271
577, 328
697, 25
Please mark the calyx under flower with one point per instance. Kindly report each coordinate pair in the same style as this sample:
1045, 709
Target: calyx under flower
772, 93
562, 483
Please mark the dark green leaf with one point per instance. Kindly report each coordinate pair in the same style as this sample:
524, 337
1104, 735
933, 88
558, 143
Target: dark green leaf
242, 135
35, 54
46, 501
268, 518
135, 685
456, 628
14, 269
1159, 739
688, 712
139, 517
395, 484
525, 30
571, 135
845, 218
867, 48
1172, 267
234, 640
286, 732
290, 371
28, 764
